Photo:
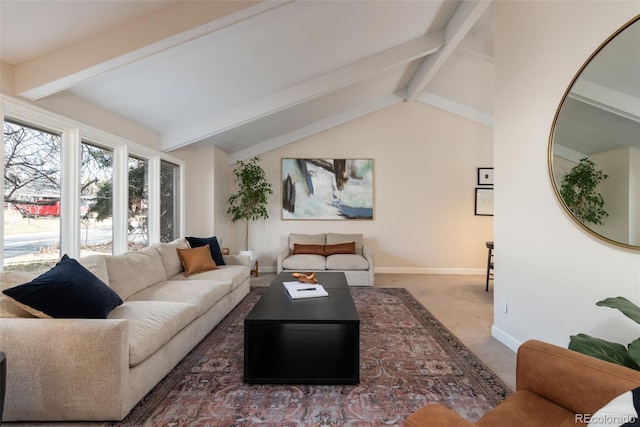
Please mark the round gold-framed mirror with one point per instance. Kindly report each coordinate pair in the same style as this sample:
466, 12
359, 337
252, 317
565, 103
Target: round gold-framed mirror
594, 145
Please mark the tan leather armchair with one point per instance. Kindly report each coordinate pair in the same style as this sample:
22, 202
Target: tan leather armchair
554, 387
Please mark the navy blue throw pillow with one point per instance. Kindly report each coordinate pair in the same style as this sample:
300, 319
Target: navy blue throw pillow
216, 254
68, 290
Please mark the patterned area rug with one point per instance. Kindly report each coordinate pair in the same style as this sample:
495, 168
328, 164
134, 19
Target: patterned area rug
407, 359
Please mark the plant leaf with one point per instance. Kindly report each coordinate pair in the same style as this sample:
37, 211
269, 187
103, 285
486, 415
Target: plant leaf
634, 352
627, 308
602, 349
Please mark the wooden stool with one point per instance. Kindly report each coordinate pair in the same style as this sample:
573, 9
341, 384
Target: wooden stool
489, 265
255, 269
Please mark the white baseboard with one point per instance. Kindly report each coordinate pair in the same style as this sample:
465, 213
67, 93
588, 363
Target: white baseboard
409, 270
267, 269
506, 339
405, 270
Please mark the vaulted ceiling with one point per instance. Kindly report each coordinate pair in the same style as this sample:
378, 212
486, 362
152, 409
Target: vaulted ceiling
250, 76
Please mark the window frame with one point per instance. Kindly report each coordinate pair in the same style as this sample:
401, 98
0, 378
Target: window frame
73, 134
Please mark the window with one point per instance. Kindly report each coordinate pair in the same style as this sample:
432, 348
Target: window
169, 201
32, 170
96, 199
138, 236
73, 189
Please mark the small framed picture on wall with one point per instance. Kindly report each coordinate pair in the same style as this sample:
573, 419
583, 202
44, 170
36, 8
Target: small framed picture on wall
485, 176
484, 202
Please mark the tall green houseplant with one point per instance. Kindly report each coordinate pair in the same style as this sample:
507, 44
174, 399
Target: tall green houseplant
578, 190
249, 202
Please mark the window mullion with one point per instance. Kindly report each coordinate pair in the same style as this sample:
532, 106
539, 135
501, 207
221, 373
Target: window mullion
70, 194
153, 217
120, 199
2, 186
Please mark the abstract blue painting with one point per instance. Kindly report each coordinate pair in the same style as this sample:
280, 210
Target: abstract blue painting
327, 189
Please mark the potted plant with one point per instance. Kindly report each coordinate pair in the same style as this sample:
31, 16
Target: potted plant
628, 356
578, 190
249, 202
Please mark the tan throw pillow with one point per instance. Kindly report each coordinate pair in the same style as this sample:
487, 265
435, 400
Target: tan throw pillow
196, 260
340, 248
308, 249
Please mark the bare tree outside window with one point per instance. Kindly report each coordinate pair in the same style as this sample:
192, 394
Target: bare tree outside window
32, 184
31, 197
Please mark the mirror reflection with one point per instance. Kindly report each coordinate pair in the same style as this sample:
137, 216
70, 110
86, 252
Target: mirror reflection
595, 142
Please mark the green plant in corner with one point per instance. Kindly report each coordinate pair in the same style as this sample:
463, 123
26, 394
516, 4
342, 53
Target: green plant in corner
249, 202
611, 352
578, 190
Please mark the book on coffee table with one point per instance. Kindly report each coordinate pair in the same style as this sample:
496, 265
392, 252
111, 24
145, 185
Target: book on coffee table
297, 290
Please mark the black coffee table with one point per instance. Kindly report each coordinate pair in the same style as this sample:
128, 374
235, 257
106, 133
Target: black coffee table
303, 341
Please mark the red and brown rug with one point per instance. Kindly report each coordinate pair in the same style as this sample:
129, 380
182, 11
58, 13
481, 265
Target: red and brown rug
407, 359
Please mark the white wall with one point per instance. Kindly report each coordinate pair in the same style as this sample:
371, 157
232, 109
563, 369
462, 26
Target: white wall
6, 78
221, 227
199, 198
425, 172
547, 268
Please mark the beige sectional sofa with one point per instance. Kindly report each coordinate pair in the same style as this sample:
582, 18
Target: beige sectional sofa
98, 369
315, 252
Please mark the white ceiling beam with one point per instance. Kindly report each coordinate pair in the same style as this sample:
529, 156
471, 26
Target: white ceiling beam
464, 18
167, 28
456, 108
304, 91
611, 100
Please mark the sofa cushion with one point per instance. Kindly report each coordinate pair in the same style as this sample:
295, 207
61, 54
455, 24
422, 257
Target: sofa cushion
97, 265
204, 294
340, 248
304, 262
169, 256
152, 324
196, 260
133, 271
306, 239
335, 238
232, 275
8, 306
216, 253
68, 290
299, 249
347, 262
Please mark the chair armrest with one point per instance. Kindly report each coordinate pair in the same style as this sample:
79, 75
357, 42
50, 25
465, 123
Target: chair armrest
437, 416
572, 380
368, 255
237, 260
284, 253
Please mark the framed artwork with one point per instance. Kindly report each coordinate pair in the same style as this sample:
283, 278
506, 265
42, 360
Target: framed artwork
333, 189
484, 201
485, 176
